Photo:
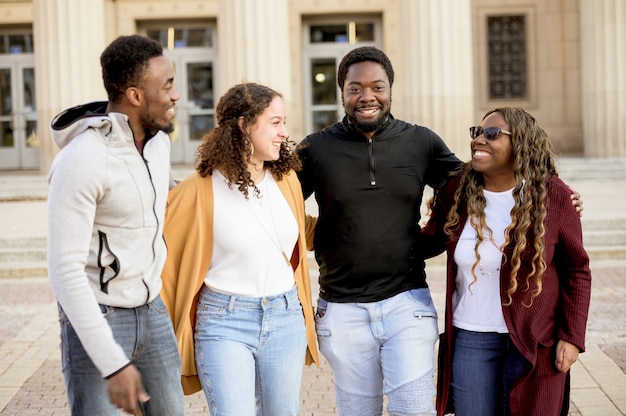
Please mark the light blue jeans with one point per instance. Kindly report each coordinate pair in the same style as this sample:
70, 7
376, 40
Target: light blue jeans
250, 353
146, 335
384, 347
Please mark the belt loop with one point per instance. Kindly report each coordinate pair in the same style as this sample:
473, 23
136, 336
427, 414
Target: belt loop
291, 298
231, 303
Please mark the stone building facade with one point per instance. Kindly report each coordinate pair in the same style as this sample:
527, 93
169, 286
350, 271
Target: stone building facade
564, 61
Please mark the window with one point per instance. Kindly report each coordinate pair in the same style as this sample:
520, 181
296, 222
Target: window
506, 64
351, 32
16, 42
506, 57
324, 92
184, 37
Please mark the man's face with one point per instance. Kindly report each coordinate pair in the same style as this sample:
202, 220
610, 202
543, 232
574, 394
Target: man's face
366, 96
160, 96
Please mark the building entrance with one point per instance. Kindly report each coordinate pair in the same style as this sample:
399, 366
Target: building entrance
18, 113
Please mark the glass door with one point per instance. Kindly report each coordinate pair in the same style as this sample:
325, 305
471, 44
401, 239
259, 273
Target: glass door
18, 113
324, 95
190, 47
195, 111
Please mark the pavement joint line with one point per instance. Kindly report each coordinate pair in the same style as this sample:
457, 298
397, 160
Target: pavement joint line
609, 378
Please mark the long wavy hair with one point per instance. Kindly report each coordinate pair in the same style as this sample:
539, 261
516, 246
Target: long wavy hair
228, 148
533, 161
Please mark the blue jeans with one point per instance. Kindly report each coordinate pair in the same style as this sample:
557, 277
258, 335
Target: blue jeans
381, 348
485, 366
157, 360
250, 353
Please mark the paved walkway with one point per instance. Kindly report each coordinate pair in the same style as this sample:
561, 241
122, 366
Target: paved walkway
30, 375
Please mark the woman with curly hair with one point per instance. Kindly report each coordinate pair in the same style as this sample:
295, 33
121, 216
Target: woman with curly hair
236, 280
518, 284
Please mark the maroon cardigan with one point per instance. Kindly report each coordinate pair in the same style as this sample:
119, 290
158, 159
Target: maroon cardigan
559, 312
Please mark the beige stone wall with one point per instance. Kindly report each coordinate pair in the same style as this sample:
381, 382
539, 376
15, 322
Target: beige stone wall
126, 13
553, 61
16, 12
437, 48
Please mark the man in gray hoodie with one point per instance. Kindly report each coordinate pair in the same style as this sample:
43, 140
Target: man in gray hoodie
106, 204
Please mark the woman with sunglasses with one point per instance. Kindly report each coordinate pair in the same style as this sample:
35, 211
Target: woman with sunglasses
518, 279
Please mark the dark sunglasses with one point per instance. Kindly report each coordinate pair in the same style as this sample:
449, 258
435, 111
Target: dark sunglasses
490, 133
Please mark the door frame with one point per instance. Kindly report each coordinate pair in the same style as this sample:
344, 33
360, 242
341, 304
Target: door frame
183, 147
21, 155
330, 50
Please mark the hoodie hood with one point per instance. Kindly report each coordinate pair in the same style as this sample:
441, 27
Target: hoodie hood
75, 120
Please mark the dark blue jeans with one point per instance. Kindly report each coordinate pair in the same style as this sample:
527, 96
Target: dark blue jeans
485, 366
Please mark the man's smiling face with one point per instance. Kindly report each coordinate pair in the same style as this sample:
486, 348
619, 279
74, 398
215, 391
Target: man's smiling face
366, 96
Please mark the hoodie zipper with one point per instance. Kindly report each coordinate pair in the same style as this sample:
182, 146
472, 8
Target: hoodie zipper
156, 234
372, 161
156, 217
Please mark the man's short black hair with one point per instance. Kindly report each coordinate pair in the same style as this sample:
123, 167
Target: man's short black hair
125, 61
363, 54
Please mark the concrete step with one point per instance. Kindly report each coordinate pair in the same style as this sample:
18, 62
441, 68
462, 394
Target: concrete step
609, 238
589, 169
24, 242
22, 255
616, 252
23, 269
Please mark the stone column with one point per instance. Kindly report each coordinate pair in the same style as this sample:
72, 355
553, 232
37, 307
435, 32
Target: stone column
603, 59
68, 41
439, 93
253, 44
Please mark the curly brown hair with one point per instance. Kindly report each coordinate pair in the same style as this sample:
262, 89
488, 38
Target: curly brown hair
533, 161
227, 148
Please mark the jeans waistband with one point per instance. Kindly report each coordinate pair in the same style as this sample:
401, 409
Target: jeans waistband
283, 300
108, 308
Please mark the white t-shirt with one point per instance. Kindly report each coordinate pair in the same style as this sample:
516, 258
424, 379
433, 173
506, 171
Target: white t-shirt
250, 237
478, 307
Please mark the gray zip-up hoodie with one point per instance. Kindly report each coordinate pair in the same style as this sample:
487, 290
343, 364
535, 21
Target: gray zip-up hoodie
106, 206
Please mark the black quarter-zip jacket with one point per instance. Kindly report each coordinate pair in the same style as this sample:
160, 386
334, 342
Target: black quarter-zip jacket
369, 193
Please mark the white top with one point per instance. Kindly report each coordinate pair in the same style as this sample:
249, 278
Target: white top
479, 307
250, 237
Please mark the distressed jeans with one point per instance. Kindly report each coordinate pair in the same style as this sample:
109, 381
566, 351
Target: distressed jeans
381, 348
250, 353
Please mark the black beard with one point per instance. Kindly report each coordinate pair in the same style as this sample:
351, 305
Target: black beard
371, 126
153, 128
169, 129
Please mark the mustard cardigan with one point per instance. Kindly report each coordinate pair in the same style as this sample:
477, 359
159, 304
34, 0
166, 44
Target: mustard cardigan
188, 232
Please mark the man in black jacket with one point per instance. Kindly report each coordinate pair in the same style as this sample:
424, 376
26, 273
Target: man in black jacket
375, 320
